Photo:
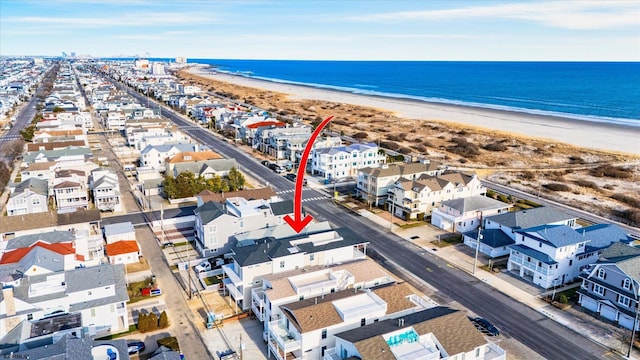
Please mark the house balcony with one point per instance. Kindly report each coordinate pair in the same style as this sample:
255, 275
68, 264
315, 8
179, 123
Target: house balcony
281, 340
231, 274
494, 352
331, 354
519, 259
236, 291
257, 303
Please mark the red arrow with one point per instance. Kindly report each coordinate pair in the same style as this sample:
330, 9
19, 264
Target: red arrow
298, 223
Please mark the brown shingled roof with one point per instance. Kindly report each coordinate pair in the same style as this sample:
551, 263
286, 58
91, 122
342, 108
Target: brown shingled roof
265, 193
27, 222
195, 156
54, 145
396, 297
36, 166
454, 331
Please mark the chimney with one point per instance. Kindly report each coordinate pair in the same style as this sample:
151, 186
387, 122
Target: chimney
10, 304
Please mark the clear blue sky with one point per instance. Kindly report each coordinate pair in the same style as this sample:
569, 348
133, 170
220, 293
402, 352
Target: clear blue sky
354, 30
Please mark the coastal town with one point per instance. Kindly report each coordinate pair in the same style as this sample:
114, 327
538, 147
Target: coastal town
145, 215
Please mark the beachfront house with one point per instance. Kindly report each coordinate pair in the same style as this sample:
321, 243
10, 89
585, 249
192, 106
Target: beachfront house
374, 182
553, 255
499, 231
610, 287
467, 213
341, 162
415, 199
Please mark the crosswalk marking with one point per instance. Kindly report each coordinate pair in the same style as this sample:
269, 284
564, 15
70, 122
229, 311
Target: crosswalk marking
316, 198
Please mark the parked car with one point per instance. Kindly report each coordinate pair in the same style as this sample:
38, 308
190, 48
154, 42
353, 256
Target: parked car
265, 163
203, 266
486, 327
279, 169
135, 347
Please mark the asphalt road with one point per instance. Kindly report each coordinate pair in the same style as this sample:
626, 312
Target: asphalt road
516, 320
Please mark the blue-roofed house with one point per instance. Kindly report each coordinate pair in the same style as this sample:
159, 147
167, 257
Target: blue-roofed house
344, 161
552, 255
499, 231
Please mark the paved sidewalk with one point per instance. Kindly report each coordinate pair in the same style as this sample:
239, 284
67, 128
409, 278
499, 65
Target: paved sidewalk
605, 334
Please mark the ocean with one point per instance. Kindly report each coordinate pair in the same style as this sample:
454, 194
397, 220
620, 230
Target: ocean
591, 91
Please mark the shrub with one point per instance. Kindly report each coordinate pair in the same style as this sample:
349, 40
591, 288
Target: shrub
576, 160
404, 150
587, 184
389, 145
170, 342
495, 146
492, 194
463, 147
629, 200
563, 299
503, 198
557, 187
528, 175
360, 135
163, 322
419, 148
617, 172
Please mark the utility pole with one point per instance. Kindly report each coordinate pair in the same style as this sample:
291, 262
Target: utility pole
475, 259
240, 346
633, 331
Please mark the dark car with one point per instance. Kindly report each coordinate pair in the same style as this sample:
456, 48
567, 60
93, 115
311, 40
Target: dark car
135, 347
293, 177
486, 327
272, 166
265, 163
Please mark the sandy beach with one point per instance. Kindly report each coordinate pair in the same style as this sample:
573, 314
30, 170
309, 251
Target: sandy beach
592, 135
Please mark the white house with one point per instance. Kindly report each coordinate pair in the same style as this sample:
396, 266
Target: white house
216, 222
345, 161
411, 199
466, 214
97, 293
106, 190
279, 249
123, 252
374, 182
553, 255
154, 156
29, 197
118, 232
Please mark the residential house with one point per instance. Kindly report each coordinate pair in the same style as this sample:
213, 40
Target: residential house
97, 293
118, 232
274, 141
611, 286
206, 169
499, 231
59, 135
308, 326
123, 252
70, 190
434, 333
279, 249
155, 156
105, 190
312, 281
39, 170
374, 182
54, 145
59, 337
189, 157
248, 132
29, 197
216, 222
72, 156
466, 214
553, 255
340, 162
411, 199
65, 249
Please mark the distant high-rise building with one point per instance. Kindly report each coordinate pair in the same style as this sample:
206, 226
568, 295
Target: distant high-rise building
38, 61
64, 54
73, 54
157, 68
142, 64
181, 60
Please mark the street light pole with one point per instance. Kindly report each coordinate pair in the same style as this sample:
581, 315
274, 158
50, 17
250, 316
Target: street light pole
633, 331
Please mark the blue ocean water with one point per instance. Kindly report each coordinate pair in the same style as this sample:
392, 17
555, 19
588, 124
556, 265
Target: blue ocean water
594, 91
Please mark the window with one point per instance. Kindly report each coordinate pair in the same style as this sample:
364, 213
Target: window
36, 201
363, 322
598, 289
281, 264
312, 257
624, 300
29, 316
324, 333
626, 284
602, 274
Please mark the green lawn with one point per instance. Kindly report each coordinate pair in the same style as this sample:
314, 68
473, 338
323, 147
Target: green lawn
448, 241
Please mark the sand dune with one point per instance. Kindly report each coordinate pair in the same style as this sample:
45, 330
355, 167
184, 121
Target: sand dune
594, 135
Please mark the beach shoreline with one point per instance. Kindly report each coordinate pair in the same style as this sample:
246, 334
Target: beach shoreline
581, 133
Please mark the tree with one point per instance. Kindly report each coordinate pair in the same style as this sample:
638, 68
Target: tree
153, 321
169, 185
58, 109
164, 320
142, 322
235, 179
27, 133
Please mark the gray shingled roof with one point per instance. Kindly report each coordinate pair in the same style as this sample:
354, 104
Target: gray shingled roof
51, 237
34, 185
619, 252
198, 167
530, 217
282, 207
209, 211
494, 238
554, 235
538, 255
72, 348
474, 203
401, 169
603, 235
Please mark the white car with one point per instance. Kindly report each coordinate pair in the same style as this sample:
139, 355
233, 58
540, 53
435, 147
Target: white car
203, 266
